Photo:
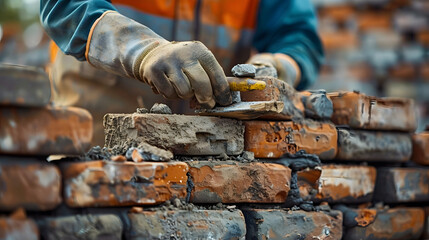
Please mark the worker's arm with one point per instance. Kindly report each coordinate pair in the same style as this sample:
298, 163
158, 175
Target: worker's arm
92, 30
289, 28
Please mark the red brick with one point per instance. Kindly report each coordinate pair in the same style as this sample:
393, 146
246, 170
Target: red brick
339, 13
401, 185
235, 182
421, 148
283, 224
339, 40
181, 224
425, 234
374, 20
88, 227
277, 90
361, 145
273, 139
108, 183
18, 228
308, 182
392, 224
365, 112
45, 131
345, 184
32, 185
24, 86
183, 135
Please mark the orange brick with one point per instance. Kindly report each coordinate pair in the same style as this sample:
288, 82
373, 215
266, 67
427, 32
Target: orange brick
339, 13
374, 20
339, 40
277, 90
292, 225
308, 182
395, 224
421, 148
235, 182
404, 71
402, 185
346, 184
423, 37
108, 183
273, 139
29, 184
365, 112
24, 86
45, 131
18, 228
425, 234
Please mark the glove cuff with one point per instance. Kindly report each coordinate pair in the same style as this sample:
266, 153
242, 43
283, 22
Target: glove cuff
287, 69
118, 44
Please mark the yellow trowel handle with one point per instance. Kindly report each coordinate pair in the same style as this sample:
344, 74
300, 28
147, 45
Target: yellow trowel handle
245, 84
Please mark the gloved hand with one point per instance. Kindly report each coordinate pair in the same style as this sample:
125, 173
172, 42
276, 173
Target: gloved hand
287, 69
173, 69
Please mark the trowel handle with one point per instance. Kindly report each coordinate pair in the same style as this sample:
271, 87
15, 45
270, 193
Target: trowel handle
244, 84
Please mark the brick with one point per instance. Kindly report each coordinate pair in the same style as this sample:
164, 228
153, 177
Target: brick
18, 228
273, 139
365, 112
425, 234
339, 13
421, 148
182, 224
32, 185
277, 90
392, 224
308, 182
361, 145
402, 185
403, 71
346, 184
374, 20
24, 86
45, 131
339, 40
76, 227
183, 135
235, 182
282, 224
317, 104
108, 183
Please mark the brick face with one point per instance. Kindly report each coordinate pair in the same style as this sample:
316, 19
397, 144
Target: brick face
11, 228
107, 183
29, 184
235, 182
180, 224
273, 139
45, 131
421, 148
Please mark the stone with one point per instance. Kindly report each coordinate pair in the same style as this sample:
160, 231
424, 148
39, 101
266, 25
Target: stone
24, 86
421, 148
236, 182
317, 104
285, 225
378, 146
269, 139
244, 70
183, 224
12, 227
402, 185
183, 135
365, 112
45, 131
76, 227
28, 183
160, 108
111, 184
393, 224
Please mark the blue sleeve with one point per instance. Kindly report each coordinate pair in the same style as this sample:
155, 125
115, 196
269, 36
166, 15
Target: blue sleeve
68, 22
290, 27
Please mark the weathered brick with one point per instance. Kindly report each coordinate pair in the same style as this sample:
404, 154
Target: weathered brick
45, 131
282, 224
181, 224
365, 112
183, 135
345, 184
89, 227
18, 227
32, 185
308, 182
317, 104
273, 139
108, 183
421, 148
425, 234
361, 145
400, 185
277, 90
392, 224
24, 86
235, 182
339, 40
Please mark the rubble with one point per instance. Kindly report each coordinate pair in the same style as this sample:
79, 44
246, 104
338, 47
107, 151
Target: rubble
244, 70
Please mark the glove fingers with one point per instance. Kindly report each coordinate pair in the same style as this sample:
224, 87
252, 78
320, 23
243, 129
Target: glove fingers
200, 83
162, 84
181, 83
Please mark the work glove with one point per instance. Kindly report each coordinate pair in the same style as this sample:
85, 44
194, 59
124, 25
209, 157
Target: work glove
286, 68
174, 69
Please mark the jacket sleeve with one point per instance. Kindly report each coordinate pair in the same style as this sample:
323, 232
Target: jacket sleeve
290, 27
68, 22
